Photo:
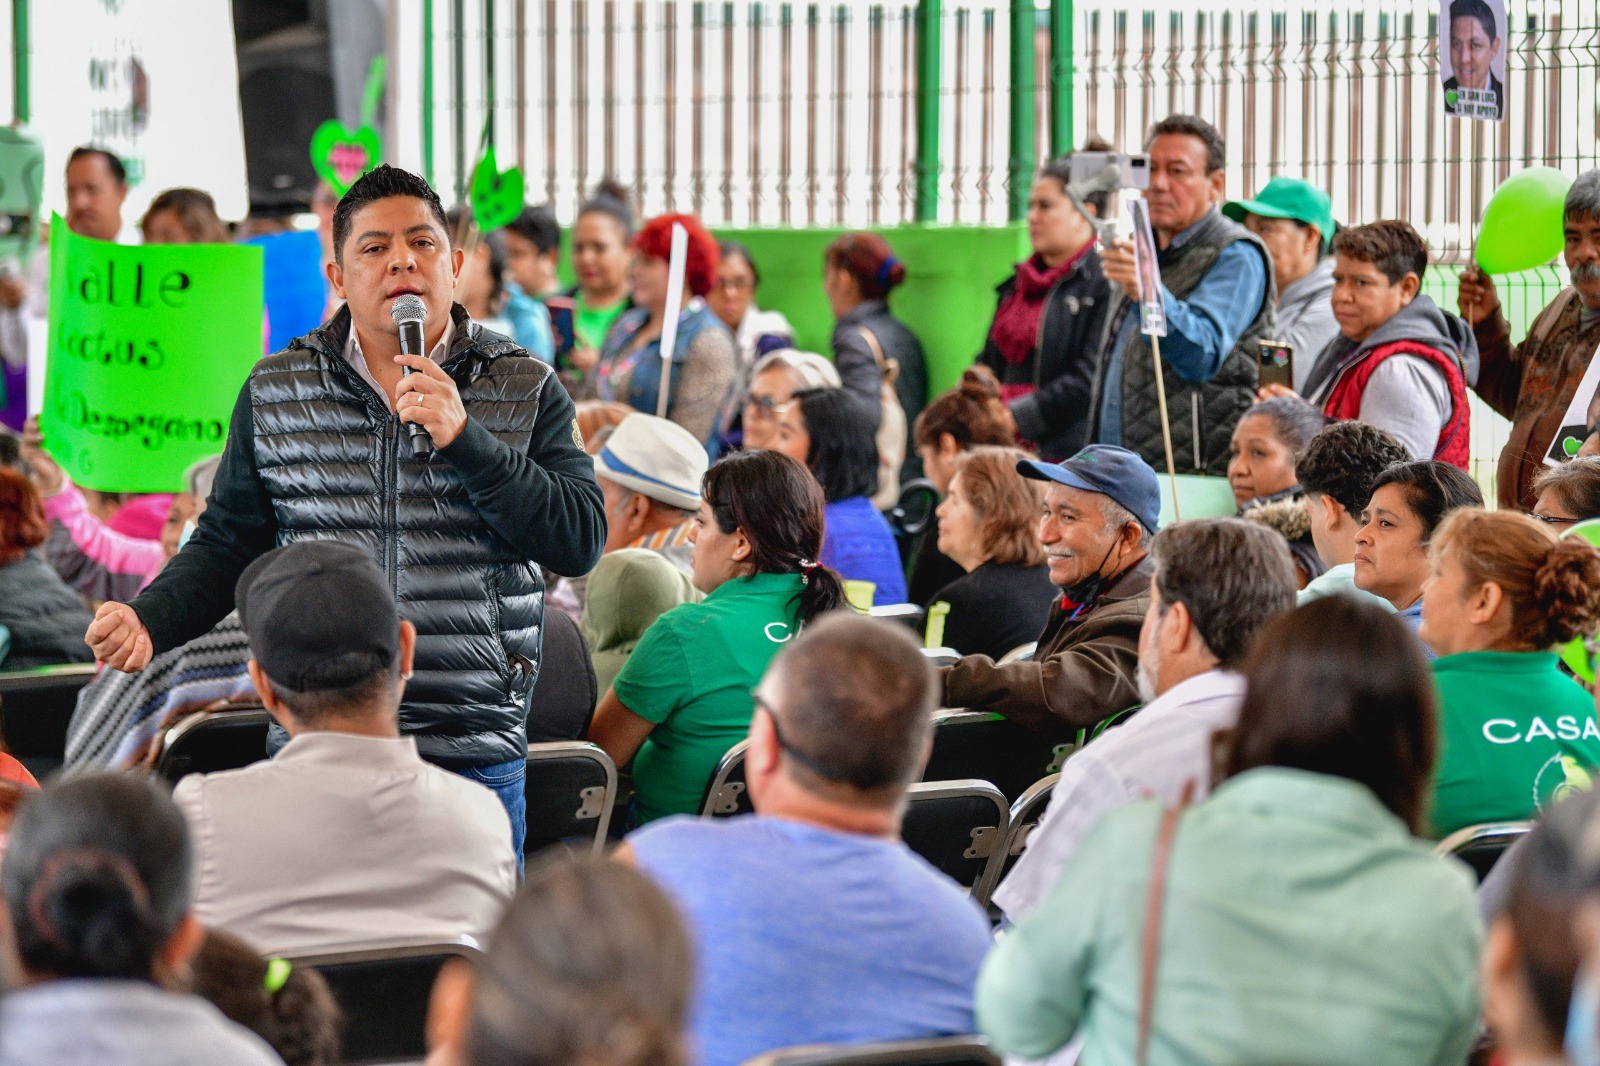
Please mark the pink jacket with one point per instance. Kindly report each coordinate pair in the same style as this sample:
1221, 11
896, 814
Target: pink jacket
117, 552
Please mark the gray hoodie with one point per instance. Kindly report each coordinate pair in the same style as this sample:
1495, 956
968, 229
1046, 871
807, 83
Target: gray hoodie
1406, 395
1305, 318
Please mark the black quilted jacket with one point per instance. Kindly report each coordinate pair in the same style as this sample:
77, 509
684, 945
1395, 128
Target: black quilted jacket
314, 452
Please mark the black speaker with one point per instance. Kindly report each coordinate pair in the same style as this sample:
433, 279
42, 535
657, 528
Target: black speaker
285, 93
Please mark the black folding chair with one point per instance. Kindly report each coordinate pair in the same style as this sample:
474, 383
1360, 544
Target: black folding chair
1480, 846
36, 708
975, 744
727, 795
209, 741
383, 990
943, 1051
1024, 819
912, 515
571, 789
959, 827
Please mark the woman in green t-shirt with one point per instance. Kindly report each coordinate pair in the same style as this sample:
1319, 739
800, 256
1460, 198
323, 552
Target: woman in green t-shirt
683, 697
1515, 732
601, 257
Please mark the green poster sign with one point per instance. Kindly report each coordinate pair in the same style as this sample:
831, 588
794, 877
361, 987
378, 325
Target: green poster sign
148, 349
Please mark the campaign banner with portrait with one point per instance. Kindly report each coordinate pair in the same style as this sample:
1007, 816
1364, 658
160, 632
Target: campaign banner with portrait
1152, 310
149, 345
1580, 426
1472, 58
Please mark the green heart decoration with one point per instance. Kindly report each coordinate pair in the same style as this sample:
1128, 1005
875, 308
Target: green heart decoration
341, 155
1450, 97
496, 195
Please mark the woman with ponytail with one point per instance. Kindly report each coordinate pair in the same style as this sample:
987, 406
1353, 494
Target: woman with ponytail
290, 1007
683, 697
1516, 732
97, 879
859, 272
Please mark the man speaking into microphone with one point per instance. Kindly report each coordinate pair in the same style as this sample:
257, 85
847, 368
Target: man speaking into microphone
320, 447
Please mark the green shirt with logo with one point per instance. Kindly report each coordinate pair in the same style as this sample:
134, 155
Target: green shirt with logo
692, 674
1515, 734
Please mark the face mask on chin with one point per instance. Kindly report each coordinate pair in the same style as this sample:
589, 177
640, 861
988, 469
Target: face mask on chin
1583, 1018
188, 531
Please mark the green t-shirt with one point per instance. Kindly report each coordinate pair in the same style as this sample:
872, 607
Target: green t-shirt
591, 324
691, 675
1514, 734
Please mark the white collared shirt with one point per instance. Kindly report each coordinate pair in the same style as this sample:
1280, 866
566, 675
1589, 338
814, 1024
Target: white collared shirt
1151, 755
344, 838
353, 356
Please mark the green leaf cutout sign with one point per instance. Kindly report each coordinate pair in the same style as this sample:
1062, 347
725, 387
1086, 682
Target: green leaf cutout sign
495, 195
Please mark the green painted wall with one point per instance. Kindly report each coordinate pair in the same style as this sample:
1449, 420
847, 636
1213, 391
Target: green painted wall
947, 299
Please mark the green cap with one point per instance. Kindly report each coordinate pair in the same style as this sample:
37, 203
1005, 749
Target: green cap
1288, 198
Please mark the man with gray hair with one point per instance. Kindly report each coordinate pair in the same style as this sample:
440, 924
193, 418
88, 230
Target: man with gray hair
1216, 581
1099, 511
1533, 383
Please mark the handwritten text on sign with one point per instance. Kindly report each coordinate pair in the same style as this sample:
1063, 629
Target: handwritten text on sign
148, 348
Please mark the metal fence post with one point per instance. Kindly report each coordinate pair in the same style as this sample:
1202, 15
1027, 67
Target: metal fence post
1061, 75
1019, 170
21, 105
928, 69
427, 90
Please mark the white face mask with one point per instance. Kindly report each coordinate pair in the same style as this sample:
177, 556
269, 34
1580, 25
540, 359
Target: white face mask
185, 533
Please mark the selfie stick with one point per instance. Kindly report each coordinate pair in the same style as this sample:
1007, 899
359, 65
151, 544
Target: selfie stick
1166, 425
669, 328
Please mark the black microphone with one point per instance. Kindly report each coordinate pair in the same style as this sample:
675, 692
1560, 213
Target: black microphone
409, 315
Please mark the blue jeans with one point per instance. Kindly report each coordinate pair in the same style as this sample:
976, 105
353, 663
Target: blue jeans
505, 780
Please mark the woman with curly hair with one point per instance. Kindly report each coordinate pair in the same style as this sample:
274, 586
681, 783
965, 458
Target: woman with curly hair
705, 357
1502, 590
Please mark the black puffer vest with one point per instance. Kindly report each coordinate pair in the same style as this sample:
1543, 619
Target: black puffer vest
1204, 414
338, 466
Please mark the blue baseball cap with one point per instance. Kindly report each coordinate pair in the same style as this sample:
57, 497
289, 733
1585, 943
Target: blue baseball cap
1110, 471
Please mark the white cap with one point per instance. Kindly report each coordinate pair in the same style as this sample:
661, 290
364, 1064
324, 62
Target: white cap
655, 458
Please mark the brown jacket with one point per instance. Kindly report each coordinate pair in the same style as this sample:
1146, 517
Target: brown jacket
1085, 669
1532, 384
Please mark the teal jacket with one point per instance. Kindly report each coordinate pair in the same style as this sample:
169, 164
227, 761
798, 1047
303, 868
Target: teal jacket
1303, 924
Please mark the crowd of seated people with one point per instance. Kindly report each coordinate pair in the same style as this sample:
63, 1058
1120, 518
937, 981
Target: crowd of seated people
1263, 723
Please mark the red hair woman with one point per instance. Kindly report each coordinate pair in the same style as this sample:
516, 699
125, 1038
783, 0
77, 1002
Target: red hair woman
705, 358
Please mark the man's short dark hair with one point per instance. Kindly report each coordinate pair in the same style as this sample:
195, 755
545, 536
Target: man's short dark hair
1231, 574
1390, 245
1475, 9
316, 705
538, 226
1343, 461
113, 163
380, 183
857, 699
1193, 126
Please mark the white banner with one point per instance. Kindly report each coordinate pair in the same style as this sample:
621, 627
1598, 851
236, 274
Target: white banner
155, 81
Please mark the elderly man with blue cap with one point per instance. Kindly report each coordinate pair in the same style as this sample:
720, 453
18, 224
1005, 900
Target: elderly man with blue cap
1101, 509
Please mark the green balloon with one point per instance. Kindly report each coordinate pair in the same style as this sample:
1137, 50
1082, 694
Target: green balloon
1522, 226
